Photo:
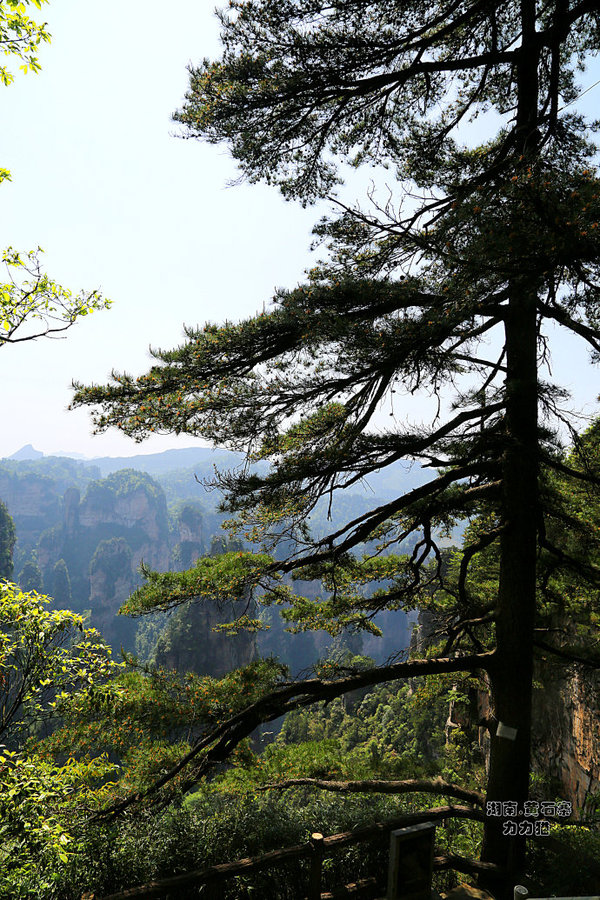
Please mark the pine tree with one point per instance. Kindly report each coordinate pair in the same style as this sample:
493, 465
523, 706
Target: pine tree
474, 243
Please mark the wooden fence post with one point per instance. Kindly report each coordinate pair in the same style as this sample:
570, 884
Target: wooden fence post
411, 862
316, 865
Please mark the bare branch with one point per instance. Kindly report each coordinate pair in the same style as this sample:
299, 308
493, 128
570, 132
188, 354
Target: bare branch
591, 335
409, 786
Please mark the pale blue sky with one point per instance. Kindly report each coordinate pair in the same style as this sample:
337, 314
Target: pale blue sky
120, 204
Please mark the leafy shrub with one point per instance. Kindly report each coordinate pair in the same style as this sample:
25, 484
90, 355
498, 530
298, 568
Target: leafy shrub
212, 827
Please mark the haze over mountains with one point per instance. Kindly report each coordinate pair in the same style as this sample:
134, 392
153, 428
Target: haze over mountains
84, 526
393, 480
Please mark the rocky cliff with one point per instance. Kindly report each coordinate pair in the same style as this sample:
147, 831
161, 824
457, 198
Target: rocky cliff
565, 725
97, 531
189, 644
33, 502
566, 729
111, 582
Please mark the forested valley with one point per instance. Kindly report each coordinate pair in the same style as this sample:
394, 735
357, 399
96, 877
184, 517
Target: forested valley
331, 614
79, 538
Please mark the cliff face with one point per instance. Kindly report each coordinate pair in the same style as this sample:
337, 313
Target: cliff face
189, 529
565, 725
102, 536
111, 582
130, 504
33, 502
100, 529
33, 492
189, 644
566, 729
120, 522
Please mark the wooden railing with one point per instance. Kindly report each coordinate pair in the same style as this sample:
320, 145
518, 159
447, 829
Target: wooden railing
214, 877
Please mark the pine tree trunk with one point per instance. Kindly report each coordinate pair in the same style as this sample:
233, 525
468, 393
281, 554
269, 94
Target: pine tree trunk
512, 672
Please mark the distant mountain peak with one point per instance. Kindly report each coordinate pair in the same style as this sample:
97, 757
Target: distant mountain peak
27, 452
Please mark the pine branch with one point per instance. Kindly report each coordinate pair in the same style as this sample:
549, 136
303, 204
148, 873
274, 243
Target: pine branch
564, 469
567, 655
216, 746
359, 529
591, 335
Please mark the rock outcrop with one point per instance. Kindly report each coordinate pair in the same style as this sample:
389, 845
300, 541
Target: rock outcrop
130, 504
565, 724
101, 529
33, 501
97, 531
189, 644
189, 528
111, 582
566, 729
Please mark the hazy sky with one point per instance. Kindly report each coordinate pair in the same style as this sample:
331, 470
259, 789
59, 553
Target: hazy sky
120, 204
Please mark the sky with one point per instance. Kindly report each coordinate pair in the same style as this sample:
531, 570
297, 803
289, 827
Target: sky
119, 203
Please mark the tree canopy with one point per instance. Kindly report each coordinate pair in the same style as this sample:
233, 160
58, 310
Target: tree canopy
445, 289
43, 655
46, 656
302, 85
32, 305
20, 37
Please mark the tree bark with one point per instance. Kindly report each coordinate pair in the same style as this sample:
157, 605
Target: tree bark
373, 786
512, 671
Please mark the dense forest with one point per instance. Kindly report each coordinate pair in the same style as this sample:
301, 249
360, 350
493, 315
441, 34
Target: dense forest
352, 618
